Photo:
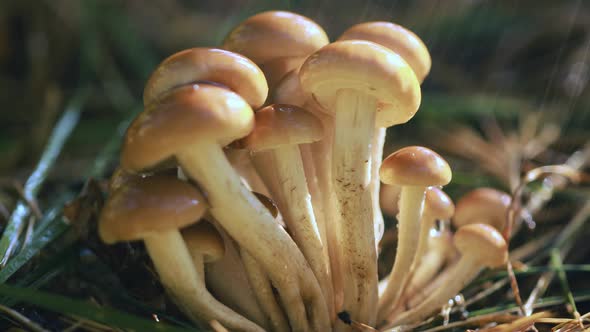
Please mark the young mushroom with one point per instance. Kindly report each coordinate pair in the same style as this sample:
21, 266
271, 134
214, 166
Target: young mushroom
154, 209
480, 246
415, 169
483, 206
194, 123
354, 81
411, 48
277, 41
278, 132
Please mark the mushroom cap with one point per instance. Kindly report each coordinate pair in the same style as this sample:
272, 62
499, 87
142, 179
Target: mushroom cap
482, 242
415, 166
148, 206
275, 34
120, 178
365, 67
204, 239
288, 90
484, 206
281, 124
275, 70
438, 205
396, 38
188, 114
198, 65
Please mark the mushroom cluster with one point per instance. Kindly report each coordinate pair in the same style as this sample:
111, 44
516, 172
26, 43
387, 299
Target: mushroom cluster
271, 217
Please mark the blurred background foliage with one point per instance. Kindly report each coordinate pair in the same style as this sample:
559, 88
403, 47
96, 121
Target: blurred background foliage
501, 70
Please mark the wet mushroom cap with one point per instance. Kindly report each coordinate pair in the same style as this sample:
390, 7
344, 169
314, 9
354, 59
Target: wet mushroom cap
438, 204
204, 238
275, 34
482, 241
198, 112
483, 205
415, 166
198, 65
367, 68
397, 38
150, 205
280, 124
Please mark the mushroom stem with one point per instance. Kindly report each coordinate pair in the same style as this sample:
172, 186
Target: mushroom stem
171, 258
299, 215
354, 127
251, 225
458, 276
375, 185
264, 294
411, 205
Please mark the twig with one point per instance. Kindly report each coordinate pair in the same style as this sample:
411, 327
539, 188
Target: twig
557, 263
21, 319
564, 243
60, 133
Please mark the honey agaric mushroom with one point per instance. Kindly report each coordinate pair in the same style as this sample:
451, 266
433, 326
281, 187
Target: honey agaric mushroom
437, 206
483, 206
409, 46
193, 123
277, 41
228, 282
480, 246
208, 65
205, 245
153, 209
279, 130
389, 197
413, 168
354, 81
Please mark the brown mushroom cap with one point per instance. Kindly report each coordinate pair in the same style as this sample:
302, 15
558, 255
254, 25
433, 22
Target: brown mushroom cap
275, 34
288, 90
396, 38
438, 204
196, 65
483, 205
280, 124
206, 240
198, 112
365, 67
415, 166
483, 242
150, 205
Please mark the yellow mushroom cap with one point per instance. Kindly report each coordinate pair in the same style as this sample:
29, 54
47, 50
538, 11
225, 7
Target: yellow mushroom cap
365, 67
198, 65
438, 204
203, 239
280, 124
415, 166
147, 206
275, 34
396, 38
483, 205
483, 242
198, 112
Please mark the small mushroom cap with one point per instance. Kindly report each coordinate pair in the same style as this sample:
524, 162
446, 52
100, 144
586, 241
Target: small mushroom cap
365, 67
275, 34
415, 166
288, 90
483, 206
438, 205
275, 70
197, 65
198, 112
389, 198
204, 239
148, 206
279, 125
483, 242
396, 38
